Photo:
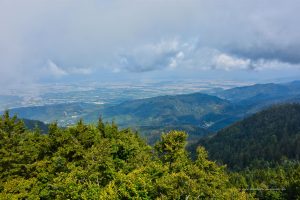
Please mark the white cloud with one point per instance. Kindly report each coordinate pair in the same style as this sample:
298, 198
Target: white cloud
227, 62
54, 70
178, 58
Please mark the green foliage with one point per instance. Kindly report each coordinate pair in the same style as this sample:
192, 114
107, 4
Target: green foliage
280, 182
153, 133
262, 152
172, 147
103, 162
261, 140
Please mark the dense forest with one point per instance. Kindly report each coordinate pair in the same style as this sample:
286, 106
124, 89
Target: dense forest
105, 162
261, 152
102, 162
268, 137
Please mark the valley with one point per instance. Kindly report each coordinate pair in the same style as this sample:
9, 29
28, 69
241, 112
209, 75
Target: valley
197, 113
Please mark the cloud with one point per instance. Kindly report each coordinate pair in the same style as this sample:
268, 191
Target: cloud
164, 54
227, 62
55, 70
96, 36
177, 54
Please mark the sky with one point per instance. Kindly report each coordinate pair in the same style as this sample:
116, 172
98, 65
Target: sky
68, 41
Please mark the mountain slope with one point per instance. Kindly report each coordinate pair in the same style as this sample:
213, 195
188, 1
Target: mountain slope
247, 92
270, 135
32, 124
168, 110
251, 99
202, 110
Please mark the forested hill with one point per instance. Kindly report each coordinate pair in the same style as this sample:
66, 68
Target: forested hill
271, 135
167, 110
32, 124
194, 113
243, 93
259, 91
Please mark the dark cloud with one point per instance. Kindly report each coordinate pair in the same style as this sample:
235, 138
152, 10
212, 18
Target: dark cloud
151, 56
289, 54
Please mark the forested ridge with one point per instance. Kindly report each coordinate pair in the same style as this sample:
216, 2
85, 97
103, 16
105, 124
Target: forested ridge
265, 138
262, 152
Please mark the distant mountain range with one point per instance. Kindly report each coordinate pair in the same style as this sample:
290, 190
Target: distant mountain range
254, 98
267, 137
199, 114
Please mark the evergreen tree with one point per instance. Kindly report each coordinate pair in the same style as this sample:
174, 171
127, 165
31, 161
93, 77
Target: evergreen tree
103, 162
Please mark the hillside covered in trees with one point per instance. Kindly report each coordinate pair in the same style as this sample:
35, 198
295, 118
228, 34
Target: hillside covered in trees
262, 152
272, 135
103, 162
